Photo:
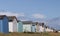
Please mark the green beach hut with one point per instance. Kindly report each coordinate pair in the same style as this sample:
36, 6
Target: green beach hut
19, 26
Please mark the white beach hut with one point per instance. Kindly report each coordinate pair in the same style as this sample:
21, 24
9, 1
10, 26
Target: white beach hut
27, 26
12, 24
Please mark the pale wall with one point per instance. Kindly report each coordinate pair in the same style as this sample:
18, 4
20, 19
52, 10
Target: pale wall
27, 27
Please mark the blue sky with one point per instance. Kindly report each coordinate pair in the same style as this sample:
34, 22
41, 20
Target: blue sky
32, 9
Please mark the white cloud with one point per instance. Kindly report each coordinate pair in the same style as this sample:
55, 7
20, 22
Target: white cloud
41, 16
12, 14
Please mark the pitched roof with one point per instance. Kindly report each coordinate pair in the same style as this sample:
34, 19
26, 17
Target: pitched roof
27, 22
2, 16
36, 23
11, 18
18, 20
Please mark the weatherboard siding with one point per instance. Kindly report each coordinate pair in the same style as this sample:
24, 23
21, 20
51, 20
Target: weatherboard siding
41, 29
1, 26
20, 27
33, 28
10, 26
37, 28
15, 25
4, 25
26, 27
48, 30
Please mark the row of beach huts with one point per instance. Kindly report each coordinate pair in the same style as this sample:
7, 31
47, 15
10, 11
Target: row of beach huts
12, 24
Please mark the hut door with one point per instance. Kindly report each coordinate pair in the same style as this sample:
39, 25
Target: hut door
33, 28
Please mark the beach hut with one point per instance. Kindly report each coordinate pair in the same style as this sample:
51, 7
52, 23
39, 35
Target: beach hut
19, 26
41, 27
48, 29
27, 26
12, 23
37, 27
58, 31
33, 27
4, 24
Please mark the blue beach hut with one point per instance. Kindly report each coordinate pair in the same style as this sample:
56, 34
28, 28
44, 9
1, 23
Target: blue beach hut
4, 24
